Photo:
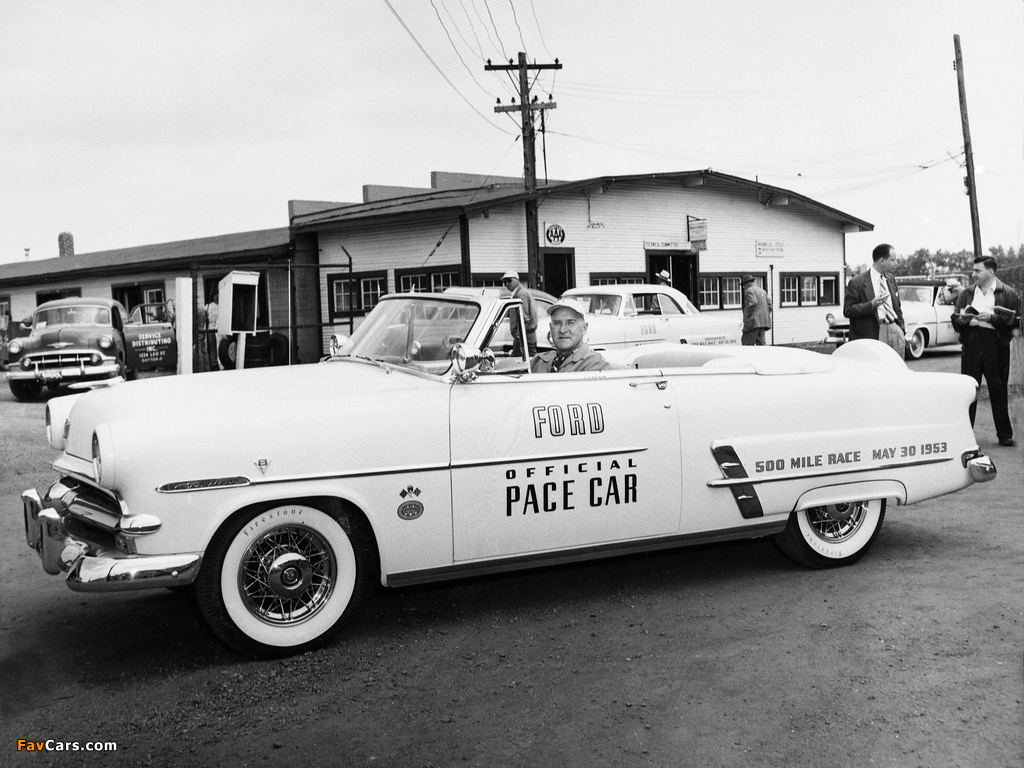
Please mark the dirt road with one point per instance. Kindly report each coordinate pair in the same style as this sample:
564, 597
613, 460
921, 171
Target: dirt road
714, 656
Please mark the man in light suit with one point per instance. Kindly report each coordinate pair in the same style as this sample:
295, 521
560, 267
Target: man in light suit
873, 303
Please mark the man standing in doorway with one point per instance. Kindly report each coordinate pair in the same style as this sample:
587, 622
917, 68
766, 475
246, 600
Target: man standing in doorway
529, 308
985, 315
664, 278
873, 303
757, 312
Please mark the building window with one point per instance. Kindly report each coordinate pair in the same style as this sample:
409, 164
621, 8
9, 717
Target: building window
64, 293
354, 294
724, 291
617, 278
433, 280
809, 289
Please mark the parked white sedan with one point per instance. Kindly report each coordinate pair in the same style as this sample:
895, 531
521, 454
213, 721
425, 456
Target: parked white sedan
410, 457
622, 316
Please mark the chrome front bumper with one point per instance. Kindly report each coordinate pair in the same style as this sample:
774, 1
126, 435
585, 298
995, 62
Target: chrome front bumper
91, 560
78, 372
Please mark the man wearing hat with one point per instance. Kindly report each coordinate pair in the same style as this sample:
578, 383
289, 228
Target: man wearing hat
568, 327
511, 281
757, 312
664, 278
985, 315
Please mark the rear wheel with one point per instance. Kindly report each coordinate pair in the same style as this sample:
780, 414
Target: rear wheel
832, 535
282, 580
25, 390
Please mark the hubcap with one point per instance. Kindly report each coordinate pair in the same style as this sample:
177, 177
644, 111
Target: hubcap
287, 575
836, 522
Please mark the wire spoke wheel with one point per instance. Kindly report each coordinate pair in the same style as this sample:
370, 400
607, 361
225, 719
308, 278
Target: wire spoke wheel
832, 535
281, 580
287, 575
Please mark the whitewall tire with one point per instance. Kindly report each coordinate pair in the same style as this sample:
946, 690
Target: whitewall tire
832, 535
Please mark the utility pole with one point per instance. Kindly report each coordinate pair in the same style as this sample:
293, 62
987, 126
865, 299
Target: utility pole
972, 191
526, 108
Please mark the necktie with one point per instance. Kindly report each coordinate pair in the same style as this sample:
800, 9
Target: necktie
885, 310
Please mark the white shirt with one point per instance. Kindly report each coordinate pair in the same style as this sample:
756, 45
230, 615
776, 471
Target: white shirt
984, 302
882, 289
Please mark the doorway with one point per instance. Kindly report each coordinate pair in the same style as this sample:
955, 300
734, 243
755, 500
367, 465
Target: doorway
683, 266
559, 270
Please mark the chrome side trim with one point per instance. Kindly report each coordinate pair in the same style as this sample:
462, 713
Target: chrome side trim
185, 486
726, 482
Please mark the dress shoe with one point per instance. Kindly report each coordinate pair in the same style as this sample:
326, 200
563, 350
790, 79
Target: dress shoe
1008, 442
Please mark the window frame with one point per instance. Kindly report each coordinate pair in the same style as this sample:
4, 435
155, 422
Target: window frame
428, 275
617, 278
359, 305
760, 279
820, 279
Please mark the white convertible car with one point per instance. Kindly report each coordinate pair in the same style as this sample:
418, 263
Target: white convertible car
278, 495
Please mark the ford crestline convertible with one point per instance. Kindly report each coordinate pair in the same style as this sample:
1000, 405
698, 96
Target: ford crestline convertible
79, 341
414, 454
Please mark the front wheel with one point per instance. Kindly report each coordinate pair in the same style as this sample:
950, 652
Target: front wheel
25, 390
280, 581
916, 345
832, 535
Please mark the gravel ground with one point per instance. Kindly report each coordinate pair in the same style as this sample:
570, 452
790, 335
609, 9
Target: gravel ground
713, 656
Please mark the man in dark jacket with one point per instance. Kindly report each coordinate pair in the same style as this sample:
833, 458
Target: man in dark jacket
985, 315
757, 312
873, 303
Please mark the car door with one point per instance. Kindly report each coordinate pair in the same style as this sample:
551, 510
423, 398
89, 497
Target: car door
554, 461
642, 319
944, 333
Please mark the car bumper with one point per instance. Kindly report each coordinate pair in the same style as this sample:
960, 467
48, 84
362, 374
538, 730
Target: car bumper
104, 370
838, 335
981, 467
89, 556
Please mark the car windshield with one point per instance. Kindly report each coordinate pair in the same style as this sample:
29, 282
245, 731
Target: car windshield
73, 315
598, 303
921, 293
419, 332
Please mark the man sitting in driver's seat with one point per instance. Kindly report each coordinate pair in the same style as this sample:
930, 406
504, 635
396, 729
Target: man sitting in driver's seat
568, 321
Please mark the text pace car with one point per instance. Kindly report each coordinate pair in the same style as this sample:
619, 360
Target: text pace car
287, 491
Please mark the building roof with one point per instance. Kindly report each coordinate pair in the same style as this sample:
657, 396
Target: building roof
437, 202
257, 245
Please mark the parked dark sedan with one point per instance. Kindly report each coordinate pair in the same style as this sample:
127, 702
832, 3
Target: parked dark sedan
80, 340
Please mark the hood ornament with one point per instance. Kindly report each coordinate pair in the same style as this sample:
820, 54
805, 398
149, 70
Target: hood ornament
262, 465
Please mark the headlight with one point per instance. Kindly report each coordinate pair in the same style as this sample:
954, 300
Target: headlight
105, 342
830, 319
14, 347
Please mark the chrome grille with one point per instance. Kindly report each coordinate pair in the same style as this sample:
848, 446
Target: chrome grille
60, 359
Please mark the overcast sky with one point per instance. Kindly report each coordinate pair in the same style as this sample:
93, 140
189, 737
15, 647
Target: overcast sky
131, 122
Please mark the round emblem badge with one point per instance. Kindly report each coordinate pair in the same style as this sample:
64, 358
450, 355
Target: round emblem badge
410, 510
555, 234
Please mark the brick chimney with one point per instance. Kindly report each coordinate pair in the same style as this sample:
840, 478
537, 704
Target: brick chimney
66, 244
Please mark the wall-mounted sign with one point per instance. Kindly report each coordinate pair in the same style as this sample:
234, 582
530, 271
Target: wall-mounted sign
665, 245
698, 229
555, 234
769, 249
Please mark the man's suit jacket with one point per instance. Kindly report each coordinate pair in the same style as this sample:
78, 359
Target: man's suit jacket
857, 306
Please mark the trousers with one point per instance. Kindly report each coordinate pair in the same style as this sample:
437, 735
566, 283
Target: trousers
984, 354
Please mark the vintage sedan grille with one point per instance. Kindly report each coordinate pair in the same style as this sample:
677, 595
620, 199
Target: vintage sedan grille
55, 360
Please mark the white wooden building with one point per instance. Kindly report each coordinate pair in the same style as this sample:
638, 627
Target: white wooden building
706, 228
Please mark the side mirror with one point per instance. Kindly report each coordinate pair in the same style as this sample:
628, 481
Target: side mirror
470, 361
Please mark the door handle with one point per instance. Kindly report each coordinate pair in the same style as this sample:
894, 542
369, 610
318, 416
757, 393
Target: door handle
662, 384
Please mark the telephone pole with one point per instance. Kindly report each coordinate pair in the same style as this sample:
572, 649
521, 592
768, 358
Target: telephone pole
526, 108
972, 191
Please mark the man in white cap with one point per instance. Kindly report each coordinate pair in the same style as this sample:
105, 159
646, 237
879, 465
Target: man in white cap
568, 327
511, 281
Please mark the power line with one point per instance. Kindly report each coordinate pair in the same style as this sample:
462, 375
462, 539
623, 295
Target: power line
496, 33
515, 18
454, 47
540, 32
439, 71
